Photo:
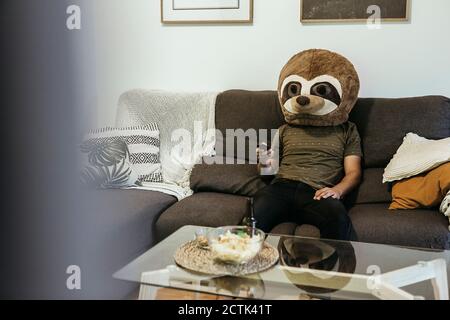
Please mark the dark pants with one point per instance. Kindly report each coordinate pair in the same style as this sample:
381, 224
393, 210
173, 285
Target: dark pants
292, 201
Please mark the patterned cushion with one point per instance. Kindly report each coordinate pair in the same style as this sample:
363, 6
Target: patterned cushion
142, 143
107, 164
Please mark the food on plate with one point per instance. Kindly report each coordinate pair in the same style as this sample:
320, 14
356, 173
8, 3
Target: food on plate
236, 247
202, 241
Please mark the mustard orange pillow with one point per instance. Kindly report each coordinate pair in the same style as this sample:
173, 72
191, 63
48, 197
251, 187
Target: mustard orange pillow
426, 190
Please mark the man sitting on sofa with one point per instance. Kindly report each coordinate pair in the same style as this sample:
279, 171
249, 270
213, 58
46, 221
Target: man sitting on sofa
318, 151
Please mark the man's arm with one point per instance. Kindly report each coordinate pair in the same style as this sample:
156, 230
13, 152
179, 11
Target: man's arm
352, 168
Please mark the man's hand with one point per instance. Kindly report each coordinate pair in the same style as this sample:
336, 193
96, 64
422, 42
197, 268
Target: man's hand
352, 167
327, 193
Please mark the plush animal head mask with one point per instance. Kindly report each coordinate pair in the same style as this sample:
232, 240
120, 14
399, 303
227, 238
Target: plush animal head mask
318, 88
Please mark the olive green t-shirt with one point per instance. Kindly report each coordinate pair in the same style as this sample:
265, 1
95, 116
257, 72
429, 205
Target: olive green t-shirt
315, 155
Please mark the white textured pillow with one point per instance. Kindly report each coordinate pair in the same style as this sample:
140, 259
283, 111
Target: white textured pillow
416, 155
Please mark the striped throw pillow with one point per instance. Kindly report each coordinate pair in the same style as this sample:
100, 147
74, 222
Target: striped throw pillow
143, 145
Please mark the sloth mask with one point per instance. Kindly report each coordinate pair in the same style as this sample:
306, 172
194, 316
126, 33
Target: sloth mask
318, 88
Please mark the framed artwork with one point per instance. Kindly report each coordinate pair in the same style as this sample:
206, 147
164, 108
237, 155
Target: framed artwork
322, 11
206, 11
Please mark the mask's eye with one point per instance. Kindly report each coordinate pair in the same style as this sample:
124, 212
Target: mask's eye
292, 89
327, 91
322, 89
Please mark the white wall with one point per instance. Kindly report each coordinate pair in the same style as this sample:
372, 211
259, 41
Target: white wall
135, 50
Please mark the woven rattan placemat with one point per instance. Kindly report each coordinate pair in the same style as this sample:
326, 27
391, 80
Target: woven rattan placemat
193, 257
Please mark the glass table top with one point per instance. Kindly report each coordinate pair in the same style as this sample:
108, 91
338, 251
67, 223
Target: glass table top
317, 268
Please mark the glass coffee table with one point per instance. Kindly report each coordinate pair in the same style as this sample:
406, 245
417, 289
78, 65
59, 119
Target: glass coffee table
315, 268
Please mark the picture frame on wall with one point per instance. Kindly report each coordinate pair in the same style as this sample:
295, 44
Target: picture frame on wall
325, 11
206, 11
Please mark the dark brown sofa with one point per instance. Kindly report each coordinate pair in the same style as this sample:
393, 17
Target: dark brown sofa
129, 222
382, 123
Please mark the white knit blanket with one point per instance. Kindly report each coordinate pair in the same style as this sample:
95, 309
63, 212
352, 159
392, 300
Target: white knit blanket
445, 206
187, 131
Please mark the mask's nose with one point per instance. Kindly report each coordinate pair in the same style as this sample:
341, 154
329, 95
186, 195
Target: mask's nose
303, 101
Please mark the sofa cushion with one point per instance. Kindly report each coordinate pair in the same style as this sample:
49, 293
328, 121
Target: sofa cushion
204, 209
240, 109
374, 223
414, 228
262, 110
239, 179
383, 123
371, 189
